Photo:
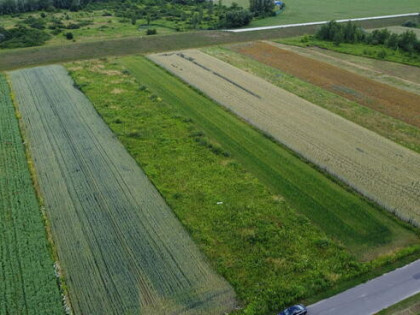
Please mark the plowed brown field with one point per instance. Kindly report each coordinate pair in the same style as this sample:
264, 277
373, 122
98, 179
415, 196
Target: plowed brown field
394, 102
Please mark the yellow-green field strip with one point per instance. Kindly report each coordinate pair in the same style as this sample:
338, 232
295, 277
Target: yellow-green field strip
27, 281
376, 167
122, 249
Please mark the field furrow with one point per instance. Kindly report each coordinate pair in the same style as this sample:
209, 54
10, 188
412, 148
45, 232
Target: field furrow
121, 247
27, 281
378, 168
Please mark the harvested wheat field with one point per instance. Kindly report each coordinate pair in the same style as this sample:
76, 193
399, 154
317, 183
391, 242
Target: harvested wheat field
122, 249
384, 98
373, 165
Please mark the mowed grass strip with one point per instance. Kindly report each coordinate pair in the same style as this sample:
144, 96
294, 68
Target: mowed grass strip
384, 98
370, 164
345, 217
272, 255
27, 281
122, 249
391, 128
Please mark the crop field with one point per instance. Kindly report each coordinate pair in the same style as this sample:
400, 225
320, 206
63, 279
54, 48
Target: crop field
327, 204
391, 128
381, 97
27, 281
237, 192
399, 75
121, 247
376, 167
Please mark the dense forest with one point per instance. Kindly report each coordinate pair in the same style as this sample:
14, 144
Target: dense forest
15, 6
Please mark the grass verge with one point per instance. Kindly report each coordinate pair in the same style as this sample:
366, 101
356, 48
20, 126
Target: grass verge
405, 307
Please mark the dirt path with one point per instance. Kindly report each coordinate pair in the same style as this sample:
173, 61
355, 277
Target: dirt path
383, 98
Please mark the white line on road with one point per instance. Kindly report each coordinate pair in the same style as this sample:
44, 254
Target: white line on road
320, 23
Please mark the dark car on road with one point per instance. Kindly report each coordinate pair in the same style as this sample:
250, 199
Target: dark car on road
295, 310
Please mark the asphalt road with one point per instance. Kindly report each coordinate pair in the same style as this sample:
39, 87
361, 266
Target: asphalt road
374, 295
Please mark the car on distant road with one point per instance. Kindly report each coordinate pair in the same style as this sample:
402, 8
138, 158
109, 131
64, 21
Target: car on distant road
298, 309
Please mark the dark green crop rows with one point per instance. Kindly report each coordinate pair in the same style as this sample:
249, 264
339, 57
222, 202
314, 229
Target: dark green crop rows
27, 281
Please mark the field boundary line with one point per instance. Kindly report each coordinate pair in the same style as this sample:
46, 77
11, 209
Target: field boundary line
251, 29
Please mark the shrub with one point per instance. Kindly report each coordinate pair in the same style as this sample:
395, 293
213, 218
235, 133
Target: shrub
151, 31
69, 35
409, 24
22, 36
381, 54
237, 18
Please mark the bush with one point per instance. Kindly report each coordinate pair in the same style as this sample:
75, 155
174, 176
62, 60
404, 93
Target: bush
381, 54
262, 7
22, 36
151, 31
69, 35
73, 26
237, 18
409, 24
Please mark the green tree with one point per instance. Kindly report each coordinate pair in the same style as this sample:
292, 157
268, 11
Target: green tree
262, 7
237, 18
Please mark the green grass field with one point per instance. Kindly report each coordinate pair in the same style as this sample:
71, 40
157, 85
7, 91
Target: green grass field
212, 170
393, 129
27, 281
299, 11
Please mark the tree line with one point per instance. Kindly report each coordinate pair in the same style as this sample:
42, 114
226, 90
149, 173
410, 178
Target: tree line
351, 33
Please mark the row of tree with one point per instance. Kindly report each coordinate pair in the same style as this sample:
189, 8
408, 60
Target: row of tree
351, 33
19, 6
259, 8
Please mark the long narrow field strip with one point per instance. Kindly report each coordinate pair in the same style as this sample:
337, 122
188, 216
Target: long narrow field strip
395, 74
376, 167
122, 249
27, 281
364, 230
391, 101
388, 127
